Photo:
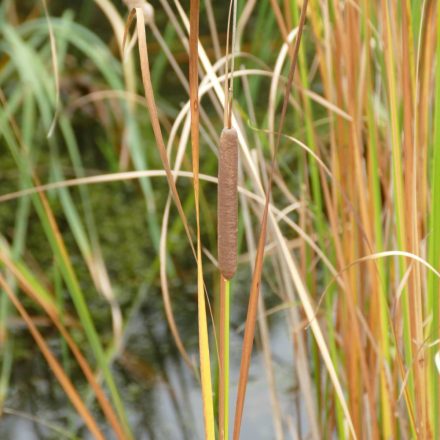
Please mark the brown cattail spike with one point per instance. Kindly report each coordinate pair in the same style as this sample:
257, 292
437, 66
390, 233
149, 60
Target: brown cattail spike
227, 202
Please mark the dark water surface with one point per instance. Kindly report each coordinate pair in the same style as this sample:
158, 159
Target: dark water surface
167, 404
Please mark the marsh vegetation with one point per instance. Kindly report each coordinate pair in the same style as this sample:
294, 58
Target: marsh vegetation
302, 302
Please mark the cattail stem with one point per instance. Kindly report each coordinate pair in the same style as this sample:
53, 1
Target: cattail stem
224, 359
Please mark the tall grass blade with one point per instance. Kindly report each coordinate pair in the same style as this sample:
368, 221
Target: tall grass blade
434, 240
205, 362
53, 48
258, 268
149, 97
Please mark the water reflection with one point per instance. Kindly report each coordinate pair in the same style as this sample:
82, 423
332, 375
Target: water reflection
161, 395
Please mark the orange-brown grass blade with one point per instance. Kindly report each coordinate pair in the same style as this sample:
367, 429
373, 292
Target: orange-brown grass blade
256, 278
411, 186
152, 109
82, 362
279, 18
205, 363
55, 366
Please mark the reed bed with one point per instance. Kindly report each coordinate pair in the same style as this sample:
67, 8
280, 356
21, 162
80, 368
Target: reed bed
316, 126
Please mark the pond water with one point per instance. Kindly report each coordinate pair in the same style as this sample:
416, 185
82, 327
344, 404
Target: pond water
167, 405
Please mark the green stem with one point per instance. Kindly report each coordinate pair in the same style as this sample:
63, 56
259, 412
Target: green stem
223, 402
226, 359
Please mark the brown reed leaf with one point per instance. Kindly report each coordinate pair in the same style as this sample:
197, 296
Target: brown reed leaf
152, 109
205, 363
256, 278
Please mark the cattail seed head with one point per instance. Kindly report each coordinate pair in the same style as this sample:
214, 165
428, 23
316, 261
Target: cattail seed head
227, 217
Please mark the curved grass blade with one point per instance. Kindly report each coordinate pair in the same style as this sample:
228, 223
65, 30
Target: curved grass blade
258, 268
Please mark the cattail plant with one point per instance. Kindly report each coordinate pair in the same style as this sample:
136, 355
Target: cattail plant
227, 225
